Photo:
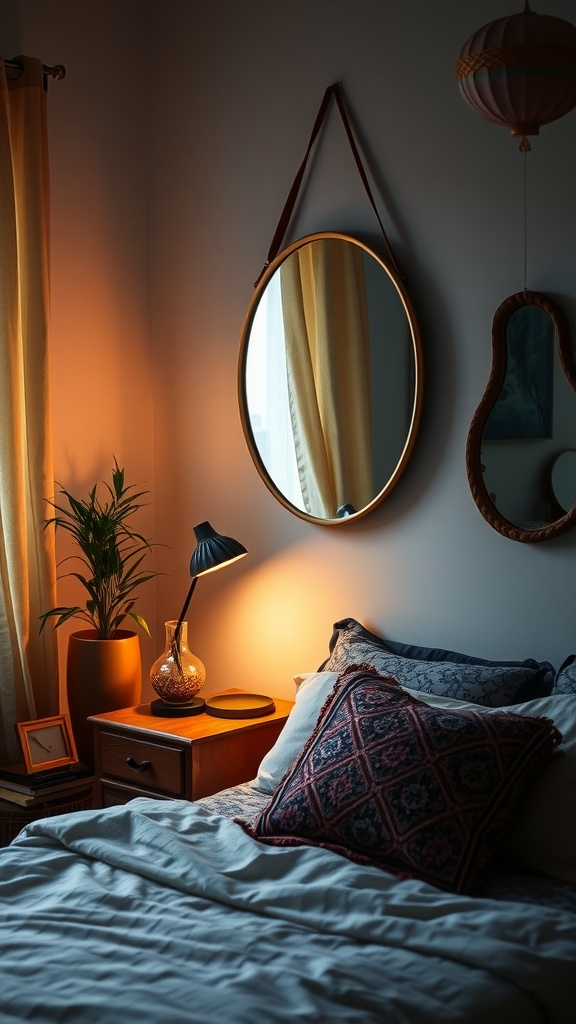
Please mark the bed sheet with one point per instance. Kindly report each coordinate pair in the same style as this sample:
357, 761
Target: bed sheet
165, 910
504, 883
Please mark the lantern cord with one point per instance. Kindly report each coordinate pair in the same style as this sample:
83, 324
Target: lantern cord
525, 220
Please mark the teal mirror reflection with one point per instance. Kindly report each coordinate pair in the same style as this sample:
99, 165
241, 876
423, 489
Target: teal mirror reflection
330, 378
525, 420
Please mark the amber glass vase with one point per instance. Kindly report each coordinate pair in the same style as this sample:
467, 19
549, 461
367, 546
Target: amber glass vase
177, 675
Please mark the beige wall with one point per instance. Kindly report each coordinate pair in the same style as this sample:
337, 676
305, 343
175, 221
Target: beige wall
167, 186
98, 134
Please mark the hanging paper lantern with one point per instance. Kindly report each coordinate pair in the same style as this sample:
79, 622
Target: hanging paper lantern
520, 71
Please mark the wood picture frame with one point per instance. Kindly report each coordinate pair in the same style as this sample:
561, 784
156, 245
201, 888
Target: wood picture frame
47, 743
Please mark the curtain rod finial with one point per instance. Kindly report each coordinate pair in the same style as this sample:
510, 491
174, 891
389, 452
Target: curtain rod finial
58, 71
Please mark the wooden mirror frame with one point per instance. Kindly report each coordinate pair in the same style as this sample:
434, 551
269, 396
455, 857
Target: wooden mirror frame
416, 349
497, 376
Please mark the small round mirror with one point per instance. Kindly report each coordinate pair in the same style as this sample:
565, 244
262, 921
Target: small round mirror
564, 480
330, 378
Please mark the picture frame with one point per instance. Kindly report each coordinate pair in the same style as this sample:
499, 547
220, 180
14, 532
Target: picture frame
47, 743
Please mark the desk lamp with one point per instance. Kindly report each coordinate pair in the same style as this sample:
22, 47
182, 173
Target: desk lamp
177, 675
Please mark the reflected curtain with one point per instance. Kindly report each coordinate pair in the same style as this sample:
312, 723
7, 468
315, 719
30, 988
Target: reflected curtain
328, 366
28, 662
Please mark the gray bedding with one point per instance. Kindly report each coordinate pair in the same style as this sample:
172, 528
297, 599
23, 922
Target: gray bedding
168, 911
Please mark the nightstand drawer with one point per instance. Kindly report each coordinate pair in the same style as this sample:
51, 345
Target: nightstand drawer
143, 763
138, 753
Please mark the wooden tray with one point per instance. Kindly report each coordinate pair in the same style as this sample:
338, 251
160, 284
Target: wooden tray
239, 705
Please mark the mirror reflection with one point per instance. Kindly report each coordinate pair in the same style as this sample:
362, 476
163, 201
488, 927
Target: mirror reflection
526, 419
329, 378
564, 479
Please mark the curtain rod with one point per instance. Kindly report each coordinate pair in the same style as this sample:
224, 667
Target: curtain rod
58, 71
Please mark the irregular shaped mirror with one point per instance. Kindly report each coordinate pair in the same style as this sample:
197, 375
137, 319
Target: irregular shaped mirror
329, 378
525, 420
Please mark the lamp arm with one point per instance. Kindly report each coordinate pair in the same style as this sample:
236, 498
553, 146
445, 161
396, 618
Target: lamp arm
178, 630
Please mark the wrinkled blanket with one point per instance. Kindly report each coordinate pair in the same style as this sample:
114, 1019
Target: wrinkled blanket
166, 912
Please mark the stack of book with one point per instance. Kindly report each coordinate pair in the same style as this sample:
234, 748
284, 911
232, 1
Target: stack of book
30, 789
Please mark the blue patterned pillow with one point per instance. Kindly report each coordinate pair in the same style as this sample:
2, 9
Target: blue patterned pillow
444, 673
420, 791
565, 681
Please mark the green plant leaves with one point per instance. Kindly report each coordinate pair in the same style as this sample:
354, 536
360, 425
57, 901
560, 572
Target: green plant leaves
110, 551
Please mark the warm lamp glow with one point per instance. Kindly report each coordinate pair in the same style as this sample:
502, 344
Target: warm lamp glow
277, 620
221, 565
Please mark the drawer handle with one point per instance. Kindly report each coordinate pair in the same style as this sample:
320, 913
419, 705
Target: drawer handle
138, 766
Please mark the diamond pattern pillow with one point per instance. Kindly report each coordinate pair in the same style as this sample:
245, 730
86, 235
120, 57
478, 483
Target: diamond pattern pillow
423, 792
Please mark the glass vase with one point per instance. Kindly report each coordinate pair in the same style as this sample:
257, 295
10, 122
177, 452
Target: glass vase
177, 675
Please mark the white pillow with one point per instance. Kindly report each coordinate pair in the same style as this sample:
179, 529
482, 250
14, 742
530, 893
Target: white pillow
542, 834
311, 691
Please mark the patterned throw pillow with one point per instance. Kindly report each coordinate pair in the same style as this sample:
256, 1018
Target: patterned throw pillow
565, 681
445, 673
542, 834
420, 791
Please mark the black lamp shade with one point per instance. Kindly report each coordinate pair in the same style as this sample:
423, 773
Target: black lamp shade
213, 550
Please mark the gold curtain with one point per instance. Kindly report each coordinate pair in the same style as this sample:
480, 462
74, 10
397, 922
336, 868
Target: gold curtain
28, 662
328, 366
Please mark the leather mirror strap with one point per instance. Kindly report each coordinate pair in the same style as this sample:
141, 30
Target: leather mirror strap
335, 91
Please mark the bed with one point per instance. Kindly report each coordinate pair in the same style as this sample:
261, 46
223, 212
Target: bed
286, 898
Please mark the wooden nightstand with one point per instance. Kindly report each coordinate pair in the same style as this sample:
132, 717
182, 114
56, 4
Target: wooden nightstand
139, 754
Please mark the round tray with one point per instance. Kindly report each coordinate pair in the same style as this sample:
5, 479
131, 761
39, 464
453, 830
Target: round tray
239, 705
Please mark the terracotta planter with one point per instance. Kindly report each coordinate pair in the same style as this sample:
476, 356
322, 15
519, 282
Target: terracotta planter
101, 675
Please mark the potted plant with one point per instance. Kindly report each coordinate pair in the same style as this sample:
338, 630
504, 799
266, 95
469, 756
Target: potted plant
103, 670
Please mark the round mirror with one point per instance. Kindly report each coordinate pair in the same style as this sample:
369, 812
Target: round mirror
330, 378
525, 420
564, 480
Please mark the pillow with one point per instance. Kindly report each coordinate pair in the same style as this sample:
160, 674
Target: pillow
541, 836
311, 693
420, 791
447, 673
565, 681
